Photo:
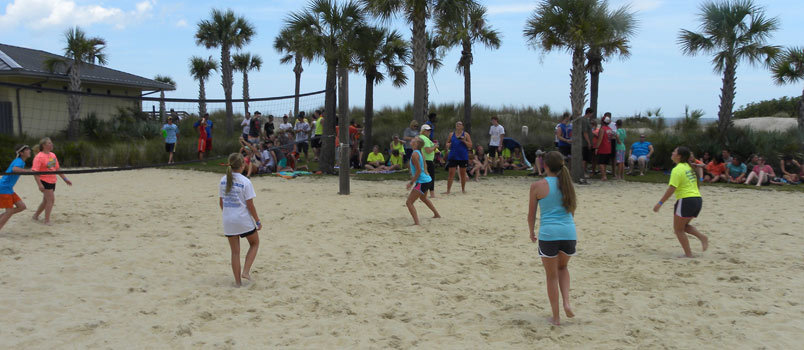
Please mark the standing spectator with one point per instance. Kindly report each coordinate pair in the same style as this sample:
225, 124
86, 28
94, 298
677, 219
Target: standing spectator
585, 128
285, 126
604, 147
459, 144
171, 136
201, 126
761, 172
496, 135
563, 135
431, 119
255, 129
46, 160
246, 124
716, 171
620, 151
318, 133
207, 134
428, 149
640, 152
736, 170
726, 156
790, 169
375, 160
269, 127
302, 130
408, 135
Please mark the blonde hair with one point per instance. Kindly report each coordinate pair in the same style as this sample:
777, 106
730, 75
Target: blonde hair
39, 146
555, 162
235, 162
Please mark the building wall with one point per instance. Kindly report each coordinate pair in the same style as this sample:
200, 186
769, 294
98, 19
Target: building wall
45, 113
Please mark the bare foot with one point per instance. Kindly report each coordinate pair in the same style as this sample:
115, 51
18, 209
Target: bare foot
445, 193
554, 321
685, 256
35, 218
705, 243
47, 223
436, 216
568, 311
246, 276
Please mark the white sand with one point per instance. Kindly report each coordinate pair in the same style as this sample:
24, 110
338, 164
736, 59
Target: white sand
767, 123
136, 261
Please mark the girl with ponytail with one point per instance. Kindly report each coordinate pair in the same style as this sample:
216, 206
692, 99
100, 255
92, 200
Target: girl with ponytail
240, 219
684, 184
557, 236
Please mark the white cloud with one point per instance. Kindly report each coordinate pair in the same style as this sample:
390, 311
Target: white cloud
40, 14
511, 8
181, 23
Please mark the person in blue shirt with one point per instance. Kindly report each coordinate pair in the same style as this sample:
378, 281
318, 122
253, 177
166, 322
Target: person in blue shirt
171, 133
421, 182
557, 235
9, 200
640, 152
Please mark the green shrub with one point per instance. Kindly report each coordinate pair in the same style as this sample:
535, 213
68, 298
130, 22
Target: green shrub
781, 107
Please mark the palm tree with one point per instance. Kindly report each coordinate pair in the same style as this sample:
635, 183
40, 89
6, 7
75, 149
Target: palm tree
80, 50
570, 25
732, 30
297, 49
200, 69
788, 68
470, 28
245, 62
378, 48
227, 31
329, 28
435, 60
416, 12
167, 80
613, 40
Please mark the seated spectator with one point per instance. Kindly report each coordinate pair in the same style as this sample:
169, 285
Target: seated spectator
716, 171
268, 158
760, 174
697, 165
483, 159
790, 169
252, 165
517, 160
727, 157
475, 167
640, 152
395, 160
538, 164
504, 161
706, 157
375, 160
397, 144
736, 170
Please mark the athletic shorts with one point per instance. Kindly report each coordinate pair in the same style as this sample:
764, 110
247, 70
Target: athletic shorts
603, 158
169, 147
303, 147
565, 150
245, 234
688, 207
620, 157
457, 163
493, 150
208, 145
550, 249
48, 185
316, 142
202, 145
423, 187
8, 200
587, 154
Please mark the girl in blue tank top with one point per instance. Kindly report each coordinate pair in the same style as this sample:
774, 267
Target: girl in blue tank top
420, 181
557, 234
459, 144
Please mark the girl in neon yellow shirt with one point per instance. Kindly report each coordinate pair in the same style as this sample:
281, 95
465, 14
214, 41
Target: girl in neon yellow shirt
684, 183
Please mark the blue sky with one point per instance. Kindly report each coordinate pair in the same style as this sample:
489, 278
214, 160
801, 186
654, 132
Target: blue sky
150, 37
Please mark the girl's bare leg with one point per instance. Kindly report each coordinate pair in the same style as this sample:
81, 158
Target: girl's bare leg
430, 205
234, 244
680, 226
551, 274
761, 178
50, 197
751, 176
462, 173
564, 282
41, 208
253, 246
693, 231
414, 194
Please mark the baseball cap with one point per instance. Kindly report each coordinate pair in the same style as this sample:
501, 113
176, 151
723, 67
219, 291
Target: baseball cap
425, 127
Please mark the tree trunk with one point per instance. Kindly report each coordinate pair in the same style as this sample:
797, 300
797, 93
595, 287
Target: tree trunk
245, 92
419, 39
162, 106
74, 102
727, 93
227, 82
801, 121
577, 100
327, 157
343, 127
202, 98
368, 120
467, 90
595, 67
297, 70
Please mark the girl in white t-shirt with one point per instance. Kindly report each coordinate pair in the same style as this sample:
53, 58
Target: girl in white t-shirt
239, 215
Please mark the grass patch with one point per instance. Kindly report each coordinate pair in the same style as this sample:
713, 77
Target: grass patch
660, 178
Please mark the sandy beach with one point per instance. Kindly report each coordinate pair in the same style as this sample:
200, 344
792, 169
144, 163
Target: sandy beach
136, 260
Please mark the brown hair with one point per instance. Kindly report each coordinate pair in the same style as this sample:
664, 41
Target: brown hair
555, 162
235, 162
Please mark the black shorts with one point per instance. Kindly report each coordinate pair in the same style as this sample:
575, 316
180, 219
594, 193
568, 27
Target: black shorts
550, 249
246, 234
688, 207
603, 158
457, 163
316, 142
302, 147
565, 150
424, 187
493, 150
48, 186
587, 154
430, 169
169, 147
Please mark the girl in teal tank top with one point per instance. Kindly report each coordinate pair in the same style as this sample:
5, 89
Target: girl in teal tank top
420, 181
557, 236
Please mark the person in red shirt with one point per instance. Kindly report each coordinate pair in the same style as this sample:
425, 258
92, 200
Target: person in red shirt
603, 148
46, 160
202, 137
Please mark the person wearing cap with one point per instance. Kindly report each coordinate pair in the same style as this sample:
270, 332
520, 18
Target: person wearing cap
9, 200
641, 152
428, 149
171, 133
